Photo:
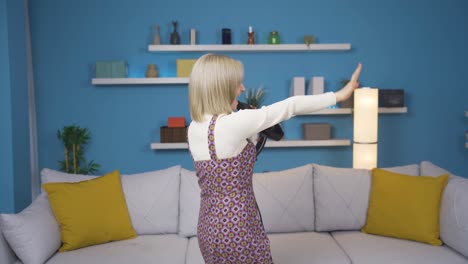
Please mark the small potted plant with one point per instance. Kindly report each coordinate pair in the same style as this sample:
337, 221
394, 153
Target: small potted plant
74, 139
255, 97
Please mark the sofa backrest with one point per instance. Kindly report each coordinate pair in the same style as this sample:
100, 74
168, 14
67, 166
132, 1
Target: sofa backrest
152, 197
341, 196
308, 198
285, 199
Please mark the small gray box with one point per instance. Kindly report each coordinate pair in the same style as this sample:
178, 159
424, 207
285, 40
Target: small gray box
317, 131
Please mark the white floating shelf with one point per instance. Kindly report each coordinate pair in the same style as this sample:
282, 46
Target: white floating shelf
256, 47
333, 111
169, 145
307, 143
123, 81
270, 144
393, 110
347, 111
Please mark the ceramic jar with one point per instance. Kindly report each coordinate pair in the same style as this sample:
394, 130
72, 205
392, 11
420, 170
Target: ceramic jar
151, 71
274, 38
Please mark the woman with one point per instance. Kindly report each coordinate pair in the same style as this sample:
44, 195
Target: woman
230, 229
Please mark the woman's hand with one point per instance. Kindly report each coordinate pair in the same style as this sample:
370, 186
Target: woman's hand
348, 90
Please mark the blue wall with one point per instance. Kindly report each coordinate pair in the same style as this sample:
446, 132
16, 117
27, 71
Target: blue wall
414, 45
15, 169
19, 103
6, 151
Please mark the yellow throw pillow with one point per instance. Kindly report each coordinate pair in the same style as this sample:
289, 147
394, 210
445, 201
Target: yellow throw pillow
405, 206
90, 212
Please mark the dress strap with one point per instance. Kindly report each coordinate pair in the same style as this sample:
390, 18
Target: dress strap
211, 143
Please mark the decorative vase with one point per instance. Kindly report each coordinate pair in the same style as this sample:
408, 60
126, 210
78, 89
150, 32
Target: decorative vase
156, 37
226, 35
151, 71
193, 36
175, 38
251, 36
274, 38
251, 39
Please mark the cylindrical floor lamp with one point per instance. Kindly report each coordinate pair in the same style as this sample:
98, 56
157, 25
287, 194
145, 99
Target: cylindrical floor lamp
366, 113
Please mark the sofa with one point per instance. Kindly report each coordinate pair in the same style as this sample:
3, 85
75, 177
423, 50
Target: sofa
312, 214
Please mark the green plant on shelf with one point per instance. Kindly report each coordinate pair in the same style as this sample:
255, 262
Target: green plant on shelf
74, 139
255, 97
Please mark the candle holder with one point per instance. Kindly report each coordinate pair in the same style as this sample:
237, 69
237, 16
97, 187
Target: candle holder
251, 37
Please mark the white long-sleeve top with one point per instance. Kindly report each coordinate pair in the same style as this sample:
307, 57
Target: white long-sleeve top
232, 130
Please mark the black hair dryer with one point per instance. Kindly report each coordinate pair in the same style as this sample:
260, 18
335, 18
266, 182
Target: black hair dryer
275, 132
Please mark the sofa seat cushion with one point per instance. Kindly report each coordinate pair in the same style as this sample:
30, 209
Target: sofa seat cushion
291, 248
194, 255
306, 247
370, 249
141, 250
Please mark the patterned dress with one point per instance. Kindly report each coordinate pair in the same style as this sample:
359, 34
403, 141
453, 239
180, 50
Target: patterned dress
230, 229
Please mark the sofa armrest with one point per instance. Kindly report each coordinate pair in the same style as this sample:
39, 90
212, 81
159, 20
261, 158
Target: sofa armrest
454, 215
7, 255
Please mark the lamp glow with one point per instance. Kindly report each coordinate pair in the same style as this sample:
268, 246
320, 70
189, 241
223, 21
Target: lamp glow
364, 156
366, 107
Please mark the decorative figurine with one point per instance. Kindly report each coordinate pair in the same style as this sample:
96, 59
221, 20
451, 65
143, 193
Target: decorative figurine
156, 37
175, 38
251, 39
151, 71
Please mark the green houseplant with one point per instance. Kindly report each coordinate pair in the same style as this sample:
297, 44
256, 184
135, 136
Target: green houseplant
255, 97
74, 139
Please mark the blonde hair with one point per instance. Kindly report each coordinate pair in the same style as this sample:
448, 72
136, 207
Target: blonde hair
213, 85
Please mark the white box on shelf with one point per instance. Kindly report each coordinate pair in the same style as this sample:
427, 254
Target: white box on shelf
297, 86
193, 36
316, 85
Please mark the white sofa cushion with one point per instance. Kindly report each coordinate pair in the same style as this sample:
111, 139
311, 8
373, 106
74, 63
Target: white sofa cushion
453, 208
6, 253
152, 197
153, 200
341, 196
305, 248
291, 248
49, 175
142, 250
286, 199
33, 234
189, 203
194, 255
428, 168
371, 249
